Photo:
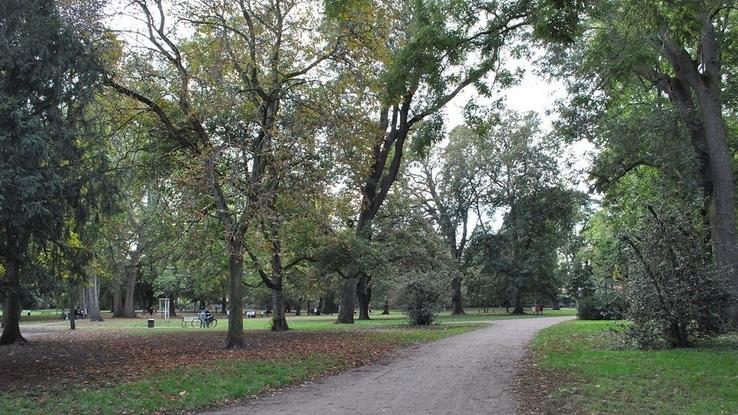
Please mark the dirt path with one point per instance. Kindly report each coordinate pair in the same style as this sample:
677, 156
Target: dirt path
472, 373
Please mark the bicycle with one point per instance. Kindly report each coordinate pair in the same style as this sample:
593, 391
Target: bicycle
200, 322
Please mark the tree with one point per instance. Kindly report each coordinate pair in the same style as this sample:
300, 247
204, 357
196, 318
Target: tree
539, 212
427, 63
49, 77
681, 51
231, 82
450, 186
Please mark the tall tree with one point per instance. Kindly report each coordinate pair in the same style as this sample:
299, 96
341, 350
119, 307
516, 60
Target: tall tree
48, 78
433, 51
230, 83
451, 185
682, 50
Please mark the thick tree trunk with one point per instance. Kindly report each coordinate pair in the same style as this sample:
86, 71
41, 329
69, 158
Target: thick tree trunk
704, 77
279, 321
173, 306
385, 311
456, 298
92, 298
348, 297
234, 338
722, 213
223, 305
11, 305
298, 308
364, 295
117, 299
128, 306
518, 309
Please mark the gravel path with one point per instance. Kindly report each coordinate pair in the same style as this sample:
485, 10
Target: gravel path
469, 374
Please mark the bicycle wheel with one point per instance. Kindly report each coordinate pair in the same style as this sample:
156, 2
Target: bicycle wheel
213, 323
196, 323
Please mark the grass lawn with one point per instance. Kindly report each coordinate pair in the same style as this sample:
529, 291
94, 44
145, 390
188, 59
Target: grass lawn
596, 376
397, 318
116, 367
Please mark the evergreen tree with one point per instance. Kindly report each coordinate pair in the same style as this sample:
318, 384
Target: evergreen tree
47, 78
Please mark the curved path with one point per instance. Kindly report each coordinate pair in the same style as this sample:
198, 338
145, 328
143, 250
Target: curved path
472, 373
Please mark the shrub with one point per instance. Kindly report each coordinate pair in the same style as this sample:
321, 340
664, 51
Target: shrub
674, 292
421, 298
602, 305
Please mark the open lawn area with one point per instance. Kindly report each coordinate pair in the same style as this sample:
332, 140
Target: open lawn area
120, 365
582, 368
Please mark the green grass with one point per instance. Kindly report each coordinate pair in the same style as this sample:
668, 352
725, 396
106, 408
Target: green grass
215, 382
323, 322
186, 388
603, 378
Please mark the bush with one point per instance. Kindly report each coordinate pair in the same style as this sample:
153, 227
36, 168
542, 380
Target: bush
602, 305
421, 298
674, 292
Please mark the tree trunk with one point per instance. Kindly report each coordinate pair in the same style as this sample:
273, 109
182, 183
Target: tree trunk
722, 213
456, 298
223, 304
235, 338
128, 306
348, 296
92, 297
173, 306
279, 321
555, 304
298, 308
518, 305
11, 305
117, 299
364, 295
386, 308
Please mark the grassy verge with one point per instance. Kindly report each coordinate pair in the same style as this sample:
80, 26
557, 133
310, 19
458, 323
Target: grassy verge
396, 319
597, 376
207, 383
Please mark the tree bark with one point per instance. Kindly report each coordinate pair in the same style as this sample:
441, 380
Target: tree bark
11, 305
92, 296
722, 212
173, 306
385, 311
128, 306
703, 76
235, 338
348, 295
117, 299
456, 297
364, 295
279, 321
518, 305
